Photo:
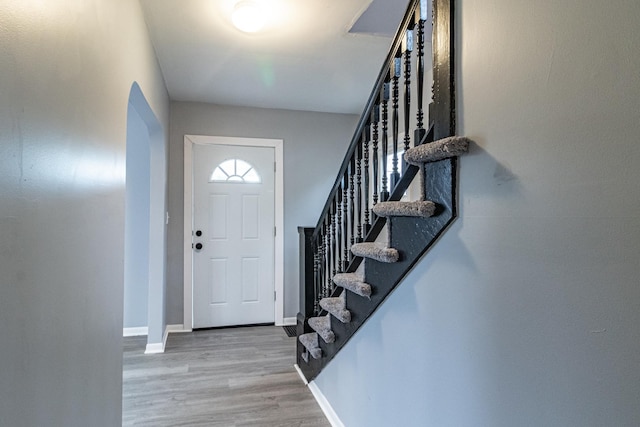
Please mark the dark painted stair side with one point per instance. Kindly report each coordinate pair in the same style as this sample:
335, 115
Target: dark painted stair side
412, 237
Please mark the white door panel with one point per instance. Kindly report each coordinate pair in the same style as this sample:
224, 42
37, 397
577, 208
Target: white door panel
233, 272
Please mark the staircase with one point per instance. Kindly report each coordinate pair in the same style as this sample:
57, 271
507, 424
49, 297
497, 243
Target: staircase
368, 236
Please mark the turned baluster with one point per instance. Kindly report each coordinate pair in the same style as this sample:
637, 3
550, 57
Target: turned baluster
359, 191
337, 252
316, 281
334, 238
397, 66
320, 250
345, 225
376, 159
352, 209
327, 255
420, 131
384, 194
339, 229
365, 140
407, 90
322, 259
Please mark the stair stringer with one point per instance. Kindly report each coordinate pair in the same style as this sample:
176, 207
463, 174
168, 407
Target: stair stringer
412, 237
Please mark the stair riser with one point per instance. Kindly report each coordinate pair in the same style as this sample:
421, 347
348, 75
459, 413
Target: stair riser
442, 188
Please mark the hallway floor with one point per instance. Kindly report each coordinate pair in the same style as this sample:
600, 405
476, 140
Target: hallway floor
220, 377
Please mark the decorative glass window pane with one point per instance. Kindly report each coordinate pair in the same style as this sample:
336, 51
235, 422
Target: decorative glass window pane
235, 170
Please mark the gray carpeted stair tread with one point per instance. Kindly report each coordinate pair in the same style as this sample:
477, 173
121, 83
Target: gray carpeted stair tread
322, 325
420, 208
310, 342
437, 150
337, 307
377, 251
354, 283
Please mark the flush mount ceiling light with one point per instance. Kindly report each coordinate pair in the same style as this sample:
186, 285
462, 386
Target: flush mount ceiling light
248, 16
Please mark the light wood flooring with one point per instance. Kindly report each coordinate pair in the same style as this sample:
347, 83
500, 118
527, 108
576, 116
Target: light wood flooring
220, 377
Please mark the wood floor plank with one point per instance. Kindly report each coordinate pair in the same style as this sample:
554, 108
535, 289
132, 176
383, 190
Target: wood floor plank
235, 377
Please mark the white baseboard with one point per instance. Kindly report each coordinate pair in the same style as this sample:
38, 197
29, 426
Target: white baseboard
135, 332
326, 407
156, 348
297, 368
177, 329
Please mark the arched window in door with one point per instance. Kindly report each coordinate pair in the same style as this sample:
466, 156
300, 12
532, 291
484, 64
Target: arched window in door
235, 170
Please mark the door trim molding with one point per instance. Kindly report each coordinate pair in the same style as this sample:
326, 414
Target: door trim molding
278, 145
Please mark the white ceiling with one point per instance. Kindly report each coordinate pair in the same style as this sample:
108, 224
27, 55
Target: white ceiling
304, 59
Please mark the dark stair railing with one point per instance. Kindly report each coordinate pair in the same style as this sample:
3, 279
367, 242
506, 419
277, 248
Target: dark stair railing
366, 177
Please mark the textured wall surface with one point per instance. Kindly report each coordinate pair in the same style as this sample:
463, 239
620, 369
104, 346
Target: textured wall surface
526, 312
66, 70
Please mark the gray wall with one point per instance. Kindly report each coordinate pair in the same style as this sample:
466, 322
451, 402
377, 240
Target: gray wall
66, 70
136, 241
314, 145
527, 311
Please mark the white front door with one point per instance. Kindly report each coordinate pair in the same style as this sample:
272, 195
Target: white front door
233, 226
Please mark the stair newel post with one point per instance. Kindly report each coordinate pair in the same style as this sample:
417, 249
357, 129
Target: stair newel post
397, 66
345, 223
359, 192
407, 90
420, 131
384, 194
308, 270
376, 179
366, 137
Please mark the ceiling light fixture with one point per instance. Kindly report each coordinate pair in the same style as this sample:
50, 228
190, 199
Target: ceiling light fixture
248, 17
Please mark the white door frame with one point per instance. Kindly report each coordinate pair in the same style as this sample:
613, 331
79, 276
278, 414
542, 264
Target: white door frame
278, 145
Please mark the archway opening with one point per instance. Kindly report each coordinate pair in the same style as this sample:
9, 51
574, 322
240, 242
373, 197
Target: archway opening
145, 231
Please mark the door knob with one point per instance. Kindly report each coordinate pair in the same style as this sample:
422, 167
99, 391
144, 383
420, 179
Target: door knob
198, 246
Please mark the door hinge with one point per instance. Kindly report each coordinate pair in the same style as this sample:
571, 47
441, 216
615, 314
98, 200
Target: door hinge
274, 231
274, 296
274, 166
